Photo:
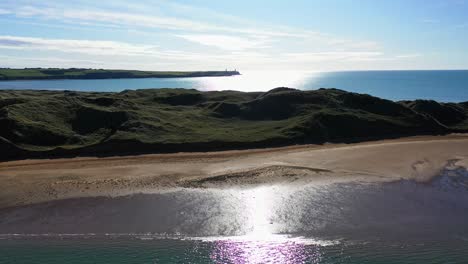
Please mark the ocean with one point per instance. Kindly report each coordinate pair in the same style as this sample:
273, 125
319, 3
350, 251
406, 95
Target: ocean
440, 85
129, 251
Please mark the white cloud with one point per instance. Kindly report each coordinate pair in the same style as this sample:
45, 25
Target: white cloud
408, 56
431, 21
237, 42
4, 12
226, 42
13, 61
331, 56
110, 49
113, 54
77, 46
140, 20
354, 45
225, 25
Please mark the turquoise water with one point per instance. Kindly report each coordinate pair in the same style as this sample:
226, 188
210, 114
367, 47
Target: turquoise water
118, 250
358, 222
395, 85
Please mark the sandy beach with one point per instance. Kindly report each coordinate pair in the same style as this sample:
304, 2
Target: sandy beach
419, 158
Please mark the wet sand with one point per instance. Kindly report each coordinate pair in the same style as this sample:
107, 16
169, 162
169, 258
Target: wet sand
419, 158
397, 211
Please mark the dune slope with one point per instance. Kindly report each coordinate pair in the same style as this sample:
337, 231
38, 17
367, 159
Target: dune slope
48, 124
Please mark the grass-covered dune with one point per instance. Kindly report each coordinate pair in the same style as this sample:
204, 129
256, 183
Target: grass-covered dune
36, 124
73, 73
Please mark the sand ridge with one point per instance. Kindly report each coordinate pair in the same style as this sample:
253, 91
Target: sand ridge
419, 158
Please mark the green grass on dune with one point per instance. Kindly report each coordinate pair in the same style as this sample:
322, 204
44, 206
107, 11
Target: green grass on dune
62, 123
74, 73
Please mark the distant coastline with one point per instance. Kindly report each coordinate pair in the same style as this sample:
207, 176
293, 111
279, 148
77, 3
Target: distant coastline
7, 74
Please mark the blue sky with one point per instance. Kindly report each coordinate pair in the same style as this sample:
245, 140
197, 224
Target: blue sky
247, 35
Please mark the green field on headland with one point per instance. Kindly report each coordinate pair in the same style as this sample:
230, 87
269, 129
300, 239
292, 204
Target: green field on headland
74, 73
67, 123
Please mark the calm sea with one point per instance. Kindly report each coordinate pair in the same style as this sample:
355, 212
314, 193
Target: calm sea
447, 86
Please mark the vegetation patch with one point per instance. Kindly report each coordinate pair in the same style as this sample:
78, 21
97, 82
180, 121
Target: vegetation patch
37, 124
74, 73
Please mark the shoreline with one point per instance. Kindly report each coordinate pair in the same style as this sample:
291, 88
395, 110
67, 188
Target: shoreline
416, 158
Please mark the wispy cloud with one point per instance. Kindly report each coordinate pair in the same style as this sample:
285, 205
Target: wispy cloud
110, 48
138, 20
77, 46
49, 61
408, 56
4, 12
331, 56
171, 34
226, 42
101, 48
226, 25
431, 21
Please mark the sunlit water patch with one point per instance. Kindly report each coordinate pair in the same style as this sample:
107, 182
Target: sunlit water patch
355, 222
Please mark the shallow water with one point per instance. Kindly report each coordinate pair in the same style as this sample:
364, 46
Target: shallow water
395, 85
359, 222
120, 250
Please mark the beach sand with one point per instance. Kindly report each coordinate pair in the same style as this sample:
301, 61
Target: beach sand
419, 158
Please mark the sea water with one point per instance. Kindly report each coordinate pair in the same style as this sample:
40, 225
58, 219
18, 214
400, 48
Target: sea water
440, 85
118, 250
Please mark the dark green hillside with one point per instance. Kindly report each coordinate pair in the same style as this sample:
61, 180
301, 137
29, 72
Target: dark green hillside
449, 114
73, 73
65, 123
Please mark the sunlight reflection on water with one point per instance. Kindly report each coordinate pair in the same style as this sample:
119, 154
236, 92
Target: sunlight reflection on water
263, 252
255, 81
259, 202
261, 244
310, 223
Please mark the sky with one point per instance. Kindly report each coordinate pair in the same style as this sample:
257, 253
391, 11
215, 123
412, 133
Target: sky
296, 35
